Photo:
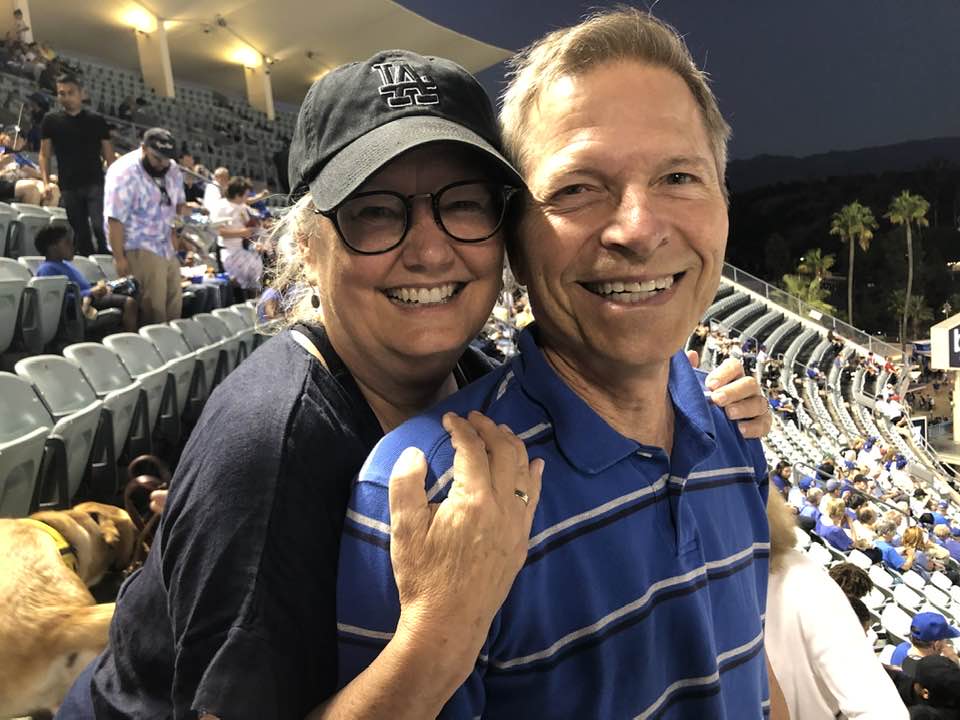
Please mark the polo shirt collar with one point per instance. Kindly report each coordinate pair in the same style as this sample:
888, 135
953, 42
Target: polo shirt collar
586, 440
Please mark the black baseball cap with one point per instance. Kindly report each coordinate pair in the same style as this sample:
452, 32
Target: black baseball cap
360, 116
161, 140
941, 676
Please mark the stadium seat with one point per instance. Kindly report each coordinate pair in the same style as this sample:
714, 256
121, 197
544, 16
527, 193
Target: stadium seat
803, 540
819, 554
914, 580
896, 621
906, 597
89, 269
881, 578
185, 364
33, 218
937, 597
58, 216
41, 305
859, 559
7, 215
107, 266
874, 599
24, 427
109, 378
217, 329
240, 329
212, 353
142, 361
65, 391
11, 292
941, 580
31, 262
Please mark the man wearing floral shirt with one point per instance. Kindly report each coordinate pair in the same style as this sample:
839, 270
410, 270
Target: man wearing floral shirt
142, 196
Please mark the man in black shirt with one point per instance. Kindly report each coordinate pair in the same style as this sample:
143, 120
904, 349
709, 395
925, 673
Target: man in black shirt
81, 140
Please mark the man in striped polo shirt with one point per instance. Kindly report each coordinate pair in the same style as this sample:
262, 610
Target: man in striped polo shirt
645, 581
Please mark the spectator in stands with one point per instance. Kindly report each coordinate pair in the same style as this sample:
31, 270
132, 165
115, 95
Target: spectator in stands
854, 581
56, 244
865, 523
814, 640
916, 537
797, 496
20, 176
780, 476
886, 531
835, 527
935, 689
193, 187
80, 139
832, 491
930, 634
810, 514
143, 195
244, 266
214, 191
945, 538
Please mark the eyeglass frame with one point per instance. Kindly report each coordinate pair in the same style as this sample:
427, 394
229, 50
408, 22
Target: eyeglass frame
509, 191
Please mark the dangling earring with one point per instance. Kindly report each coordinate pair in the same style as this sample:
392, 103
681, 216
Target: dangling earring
315, 301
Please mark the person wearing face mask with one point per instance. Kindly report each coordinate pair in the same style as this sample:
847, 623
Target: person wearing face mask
142, 196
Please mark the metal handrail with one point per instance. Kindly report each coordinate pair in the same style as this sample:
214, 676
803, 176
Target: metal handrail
795, 305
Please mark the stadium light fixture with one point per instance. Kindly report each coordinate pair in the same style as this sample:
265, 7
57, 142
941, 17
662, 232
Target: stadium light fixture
139, 18
246, 56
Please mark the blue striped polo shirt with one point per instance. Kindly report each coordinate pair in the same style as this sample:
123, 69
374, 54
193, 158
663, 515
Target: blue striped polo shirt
645, 582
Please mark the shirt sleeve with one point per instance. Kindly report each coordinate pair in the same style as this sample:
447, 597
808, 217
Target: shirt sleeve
249, 546
104, 129
46, 127
368, 606
841, 656
116, 197
179, 194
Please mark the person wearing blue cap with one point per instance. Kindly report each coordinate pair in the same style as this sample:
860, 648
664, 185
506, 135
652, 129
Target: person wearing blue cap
796, 498
944, 537
930, 634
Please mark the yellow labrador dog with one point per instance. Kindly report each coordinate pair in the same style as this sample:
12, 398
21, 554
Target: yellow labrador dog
50, 625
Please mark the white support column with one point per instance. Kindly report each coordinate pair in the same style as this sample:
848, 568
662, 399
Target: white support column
956, 406
259, 89
24, 7
155, 60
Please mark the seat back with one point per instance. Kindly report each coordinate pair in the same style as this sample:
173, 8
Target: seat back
100, 365
31, 262
89, 269
168, 342
137, 354
33, 218
10, 293
234, 322
859, 559
907, 597
24, 426
894, 619
50, 292
819, 554
880, 577
7, 215
914, 580
10, 269
215, 328
61, 385
941, 580
107, 266
193, 333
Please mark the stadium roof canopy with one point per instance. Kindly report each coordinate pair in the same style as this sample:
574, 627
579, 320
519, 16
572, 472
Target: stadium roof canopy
210, 40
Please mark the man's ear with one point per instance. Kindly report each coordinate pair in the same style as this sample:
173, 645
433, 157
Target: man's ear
516, 260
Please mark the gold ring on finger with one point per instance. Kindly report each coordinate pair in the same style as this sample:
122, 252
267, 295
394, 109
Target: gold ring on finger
522, 495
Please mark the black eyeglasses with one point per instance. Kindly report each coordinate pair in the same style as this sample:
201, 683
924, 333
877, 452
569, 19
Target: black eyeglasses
470, 211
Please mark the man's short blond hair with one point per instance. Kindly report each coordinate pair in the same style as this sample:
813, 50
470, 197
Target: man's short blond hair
619, 34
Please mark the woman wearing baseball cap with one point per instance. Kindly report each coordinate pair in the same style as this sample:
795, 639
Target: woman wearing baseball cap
390, 261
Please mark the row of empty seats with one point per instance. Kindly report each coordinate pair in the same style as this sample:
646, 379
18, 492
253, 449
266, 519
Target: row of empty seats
74, 417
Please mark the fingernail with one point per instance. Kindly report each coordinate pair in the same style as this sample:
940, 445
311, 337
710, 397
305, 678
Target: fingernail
711, 382
408, 458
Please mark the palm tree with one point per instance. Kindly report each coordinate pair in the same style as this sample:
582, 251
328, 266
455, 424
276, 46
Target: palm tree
908, 210
808, 291
816, 264
853, 222
919, 312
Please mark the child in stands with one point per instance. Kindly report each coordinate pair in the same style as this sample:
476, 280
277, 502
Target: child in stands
56, 243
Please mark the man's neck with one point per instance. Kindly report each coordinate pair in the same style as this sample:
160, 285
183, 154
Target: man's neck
73, 113
636, 403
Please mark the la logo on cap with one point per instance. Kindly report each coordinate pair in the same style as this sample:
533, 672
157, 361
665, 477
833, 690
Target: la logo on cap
402, 87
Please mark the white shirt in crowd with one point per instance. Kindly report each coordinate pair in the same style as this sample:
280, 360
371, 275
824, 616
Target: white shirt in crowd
818, 651
212, 195
796, 497
236, 215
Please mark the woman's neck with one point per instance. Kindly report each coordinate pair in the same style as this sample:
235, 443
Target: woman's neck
397, 387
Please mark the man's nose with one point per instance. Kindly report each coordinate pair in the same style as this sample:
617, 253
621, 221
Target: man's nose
637, 223
426, 247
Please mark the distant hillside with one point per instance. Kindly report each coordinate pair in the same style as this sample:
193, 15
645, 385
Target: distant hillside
763, 170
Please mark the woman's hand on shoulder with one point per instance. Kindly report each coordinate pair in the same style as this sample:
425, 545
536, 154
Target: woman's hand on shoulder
740, 396
455, 561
